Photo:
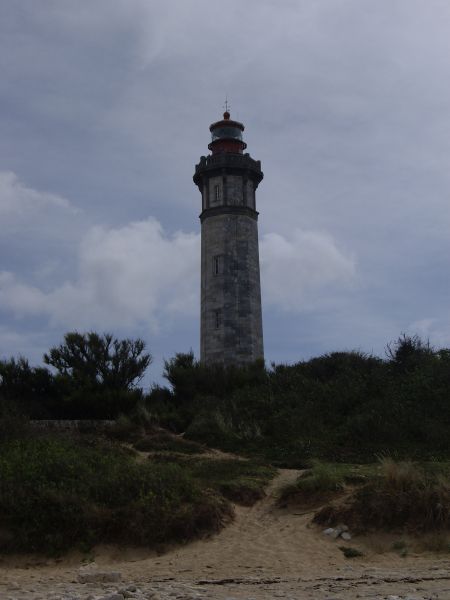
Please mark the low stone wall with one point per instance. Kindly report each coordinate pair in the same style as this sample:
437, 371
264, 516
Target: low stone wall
71, 425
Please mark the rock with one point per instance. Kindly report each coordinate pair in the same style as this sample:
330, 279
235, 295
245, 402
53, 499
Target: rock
336, 533
345, 535
113, 597
94, 576
328, 531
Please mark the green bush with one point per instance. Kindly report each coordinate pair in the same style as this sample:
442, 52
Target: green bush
56, 493
323, 480
165, 442
340, 407
242, 481
31, 391
13, 423
403, 495
350, 552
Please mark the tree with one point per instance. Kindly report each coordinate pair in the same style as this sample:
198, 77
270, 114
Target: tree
94, 361
31, 390
409, 353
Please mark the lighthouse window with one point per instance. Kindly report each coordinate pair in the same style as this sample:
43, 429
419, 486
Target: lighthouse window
217, 265
217, 319
217, 192
226, 133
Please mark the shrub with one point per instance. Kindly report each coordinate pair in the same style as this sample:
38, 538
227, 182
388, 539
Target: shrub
13, 423
162, 441
56, 493
320, 481
241, 481
125, 430
404, 496
350, 552
32, 390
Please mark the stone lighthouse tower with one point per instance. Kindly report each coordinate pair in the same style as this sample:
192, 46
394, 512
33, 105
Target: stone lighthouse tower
231, 320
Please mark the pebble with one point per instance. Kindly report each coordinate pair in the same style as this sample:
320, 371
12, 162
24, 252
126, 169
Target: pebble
92, 575
102, 588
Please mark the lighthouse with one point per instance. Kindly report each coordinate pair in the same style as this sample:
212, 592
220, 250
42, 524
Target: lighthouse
231, 320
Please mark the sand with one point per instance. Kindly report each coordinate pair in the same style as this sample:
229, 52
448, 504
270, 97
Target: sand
266, 552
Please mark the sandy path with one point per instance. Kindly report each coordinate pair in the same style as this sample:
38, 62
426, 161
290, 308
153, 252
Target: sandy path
266, 552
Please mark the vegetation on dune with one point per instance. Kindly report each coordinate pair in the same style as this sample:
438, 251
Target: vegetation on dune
340, 407
58, 493
165, 442
320, 415
96, 378
325, 480
242, 481
343, 406
401, 495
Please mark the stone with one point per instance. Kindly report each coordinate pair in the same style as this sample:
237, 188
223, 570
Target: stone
345, 535
94, 576
328, 531
336, 533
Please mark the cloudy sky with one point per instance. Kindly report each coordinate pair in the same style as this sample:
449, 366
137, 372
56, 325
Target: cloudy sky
104, 110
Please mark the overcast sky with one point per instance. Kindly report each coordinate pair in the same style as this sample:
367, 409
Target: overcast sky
104, 111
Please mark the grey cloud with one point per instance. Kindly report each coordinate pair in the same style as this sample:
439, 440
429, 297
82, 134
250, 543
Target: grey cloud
297, 272
140, 275
346, 104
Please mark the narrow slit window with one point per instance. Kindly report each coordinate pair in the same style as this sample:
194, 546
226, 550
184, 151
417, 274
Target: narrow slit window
217, 319
217, 266
217, 192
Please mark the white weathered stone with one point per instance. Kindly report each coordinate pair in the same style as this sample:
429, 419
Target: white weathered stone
336, 533
94, 576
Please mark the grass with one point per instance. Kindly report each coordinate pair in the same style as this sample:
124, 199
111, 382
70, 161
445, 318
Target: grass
350, 552
166, 442
242, 481
57, 493
403, 495
239, 480
324, 480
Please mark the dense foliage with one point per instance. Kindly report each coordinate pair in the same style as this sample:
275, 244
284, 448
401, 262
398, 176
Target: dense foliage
58, 493
96, 377
403, 496
340, 406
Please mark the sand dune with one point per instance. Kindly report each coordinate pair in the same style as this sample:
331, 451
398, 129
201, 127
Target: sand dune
266, 552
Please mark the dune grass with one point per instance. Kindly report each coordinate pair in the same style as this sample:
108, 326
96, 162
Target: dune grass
323, 479
402, 495
165, 442
242, 481
57, 493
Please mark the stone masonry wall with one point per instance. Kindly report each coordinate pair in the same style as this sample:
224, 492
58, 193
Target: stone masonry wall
231, 320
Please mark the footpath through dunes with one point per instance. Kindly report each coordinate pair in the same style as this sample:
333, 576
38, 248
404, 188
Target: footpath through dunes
266, 552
